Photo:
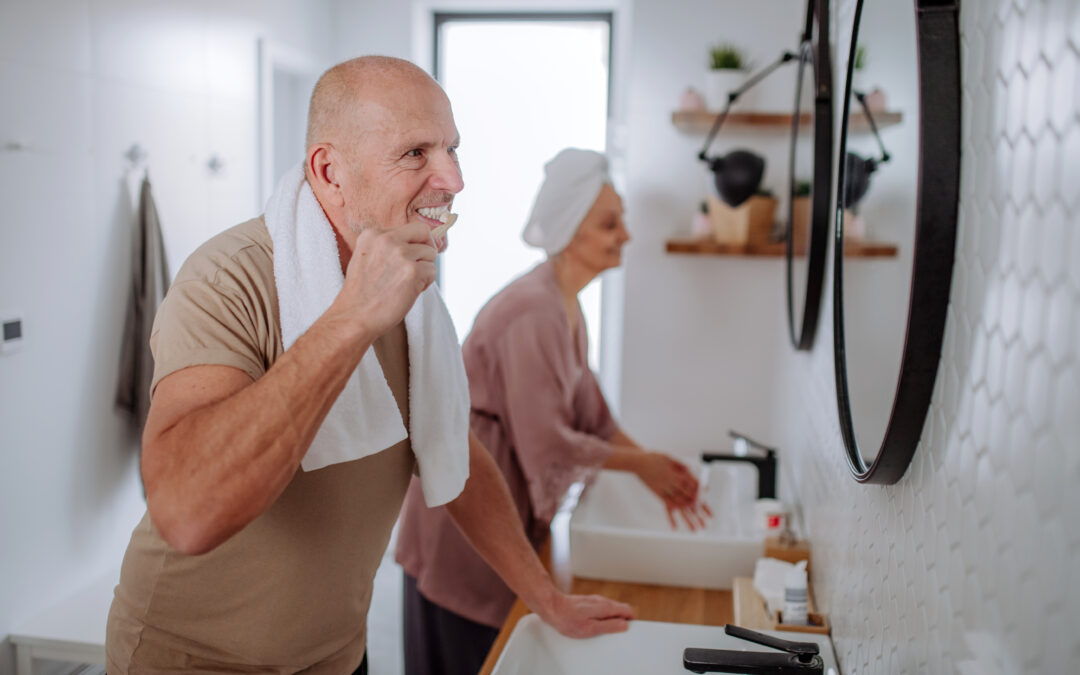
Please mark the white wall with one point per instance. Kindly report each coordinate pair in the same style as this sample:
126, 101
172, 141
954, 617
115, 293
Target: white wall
82, 81
701, 333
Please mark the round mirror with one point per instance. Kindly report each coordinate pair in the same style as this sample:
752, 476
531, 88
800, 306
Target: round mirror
809, 175
895, 228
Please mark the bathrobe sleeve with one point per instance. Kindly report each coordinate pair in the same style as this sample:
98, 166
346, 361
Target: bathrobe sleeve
556, 416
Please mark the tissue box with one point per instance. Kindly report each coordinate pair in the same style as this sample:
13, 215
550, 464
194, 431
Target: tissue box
751, 612
792, 553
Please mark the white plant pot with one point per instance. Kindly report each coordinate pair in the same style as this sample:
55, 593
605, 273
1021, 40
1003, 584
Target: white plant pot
719, 83
859, 81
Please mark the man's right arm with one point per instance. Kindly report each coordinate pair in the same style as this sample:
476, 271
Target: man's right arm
219, 448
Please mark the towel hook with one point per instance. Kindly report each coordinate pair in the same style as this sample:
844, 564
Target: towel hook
136, 154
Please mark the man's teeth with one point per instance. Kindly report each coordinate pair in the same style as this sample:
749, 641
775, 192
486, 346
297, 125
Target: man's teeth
439, 213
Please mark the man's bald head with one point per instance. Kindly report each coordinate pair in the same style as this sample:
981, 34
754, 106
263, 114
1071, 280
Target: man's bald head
341, 93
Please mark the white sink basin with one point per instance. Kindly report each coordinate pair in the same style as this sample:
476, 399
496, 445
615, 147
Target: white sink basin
649, 648
619, 531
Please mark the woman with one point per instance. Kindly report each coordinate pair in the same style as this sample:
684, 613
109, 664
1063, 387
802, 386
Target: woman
538, 409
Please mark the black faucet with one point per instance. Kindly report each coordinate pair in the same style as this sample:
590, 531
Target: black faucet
766, 464
795, 658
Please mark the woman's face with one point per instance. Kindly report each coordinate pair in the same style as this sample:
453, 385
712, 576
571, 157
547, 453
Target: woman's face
599, 239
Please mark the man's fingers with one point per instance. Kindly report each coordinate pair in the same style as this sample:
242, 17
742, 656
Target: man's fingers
605, 626
420, 252
414, 232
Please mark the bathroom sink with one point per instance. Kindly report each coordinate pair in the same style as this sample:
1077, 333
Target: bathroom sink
648, 647
619, 531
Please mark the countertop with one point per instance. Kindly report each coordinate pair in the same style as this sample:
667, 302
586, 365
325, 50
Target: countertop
651, 603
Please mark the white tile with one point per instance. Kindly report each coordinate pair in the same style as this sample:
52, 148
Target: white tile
1074, 250
1067, 423
995, 369
1070, 168
1060, 339
1011, 299
46, 33
1033, 316
1053, 30
1074, 26
1063, 88
1017, 87
1010, 232
1009, 56
1031, 36
1055, 240
1023, 164
1047, 167
45, 110
231, 59
1039, 384
154, 44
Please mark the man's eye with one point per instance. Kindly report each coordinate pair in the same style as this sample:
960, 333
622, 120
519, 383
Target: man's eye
415, 152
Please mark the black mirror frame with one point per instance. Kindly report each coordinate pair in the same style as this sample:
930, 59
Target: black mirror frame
938, 38
802, 337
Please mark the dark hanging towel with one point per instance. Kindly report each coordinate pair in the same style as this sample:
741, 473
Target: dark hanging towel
149, 281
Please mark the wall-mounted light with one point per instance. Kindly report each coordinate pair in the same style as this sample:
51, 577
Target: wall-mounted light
857, 171
737, 175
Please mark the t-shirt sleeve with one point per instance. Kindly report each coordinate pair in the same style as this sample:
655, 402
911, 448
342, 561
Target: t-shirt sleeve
205, 323
538, 372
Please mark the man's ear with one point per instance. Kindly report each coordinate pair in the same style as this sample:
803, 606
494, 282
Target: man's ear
322, 170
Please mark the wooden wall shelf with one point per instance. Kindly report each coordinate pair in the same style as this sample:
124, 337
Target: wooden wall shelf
852, 249
701, 122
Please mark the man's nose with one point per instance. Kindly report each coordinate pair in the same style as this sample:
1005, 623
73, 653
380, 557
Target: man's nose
446, 175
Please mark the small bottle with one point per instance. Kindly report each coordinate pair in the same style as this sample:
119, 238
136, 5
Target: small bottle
795, 595
701, 226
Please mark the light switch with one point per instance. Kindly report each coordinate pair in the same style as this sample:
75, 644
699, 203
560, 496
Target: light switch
11, 333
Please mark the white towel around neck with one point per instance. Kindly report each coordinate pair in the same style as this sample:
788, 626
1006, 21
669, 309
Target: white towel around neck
365, 419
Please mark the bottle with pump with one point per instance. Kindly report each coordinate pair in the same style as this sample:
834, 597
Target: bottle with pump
795, 595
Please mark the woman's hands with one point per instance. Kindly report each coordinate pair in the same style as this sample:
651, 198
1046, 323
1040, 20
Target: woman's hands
676, 486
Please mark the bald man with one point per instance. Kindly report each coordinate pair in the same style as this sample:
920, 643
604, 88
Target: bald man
243, 562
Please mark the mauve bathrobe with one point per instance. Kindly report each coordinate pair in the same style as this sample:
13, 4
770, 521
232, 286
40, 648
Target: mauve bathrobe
538, 409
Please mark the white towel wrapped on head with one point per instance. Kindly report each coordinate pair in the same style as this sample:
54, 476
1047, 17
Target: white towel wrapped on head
572, 181
365, 419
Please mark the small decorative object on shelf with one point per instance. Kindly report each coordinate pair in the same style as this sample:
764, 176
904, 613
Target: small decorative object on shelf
748, 224
701, 227
691, 101
800, 217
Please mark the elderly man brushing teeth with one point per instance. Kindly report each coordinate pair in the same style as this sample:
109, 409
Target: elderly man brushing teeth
305, 370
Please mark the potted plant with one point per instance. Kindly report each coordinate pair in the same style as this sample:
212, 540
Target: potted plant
858, 70
726, 73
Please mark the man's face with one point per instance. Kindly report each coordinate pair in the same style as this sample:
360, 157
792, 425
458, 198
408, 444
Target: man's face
404, 166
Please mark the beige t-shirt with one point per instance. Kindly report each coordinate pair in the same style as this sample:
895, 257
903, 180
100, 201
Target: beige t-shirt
289, 592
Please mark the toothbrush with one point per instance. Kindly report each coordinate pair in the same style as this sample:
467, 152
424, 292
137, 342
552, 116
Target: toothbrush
441, 229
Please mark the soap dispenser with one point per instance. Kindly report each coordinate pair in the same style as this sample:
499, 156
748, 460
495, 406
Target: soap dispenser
795, 595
